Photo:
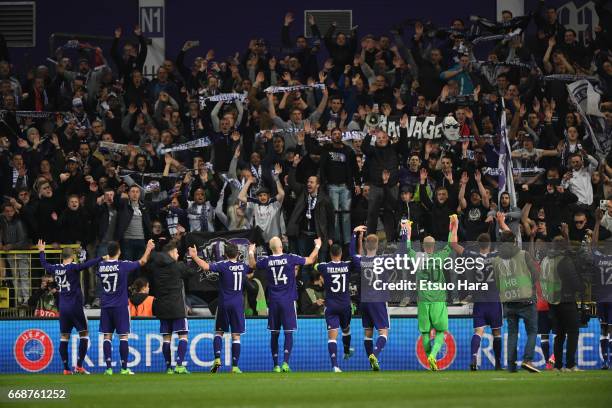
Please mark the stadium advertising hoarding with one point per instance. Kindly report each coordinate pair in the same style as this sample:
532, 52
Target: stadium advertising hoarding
32, 346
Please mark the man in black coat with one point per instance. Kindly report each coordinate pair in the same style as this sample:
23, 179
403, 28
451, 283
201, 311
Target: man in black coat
312, 216
562, 300
406, 208
382, 155
169, 304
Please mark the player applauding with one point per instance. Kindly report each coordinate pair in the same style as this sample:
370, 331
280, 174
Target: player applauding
114, 310
230, 310
70, 303
282, 293
431, 303
336, 276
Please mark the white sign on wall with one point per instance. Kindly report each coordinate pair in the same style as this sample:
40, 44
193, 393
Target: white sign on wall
152, 19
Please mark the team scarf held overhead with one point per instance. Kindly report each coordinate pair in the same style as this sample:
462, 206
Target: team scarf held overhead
118, 148
194, 144
570, 78
495, 27
493, 171
225, 97
320, 136
282, 89
496, 37
511, 64
22, 114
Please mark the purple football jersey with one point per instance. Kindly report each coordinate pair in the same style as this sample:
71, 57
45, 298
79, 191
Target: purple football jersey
68, 281
484, 275
336, 277
231, 281
114, 281
602, 284
280, 276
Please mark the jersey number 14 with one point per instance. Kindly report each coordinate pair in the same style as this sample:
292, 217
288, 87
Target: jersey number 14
279, 275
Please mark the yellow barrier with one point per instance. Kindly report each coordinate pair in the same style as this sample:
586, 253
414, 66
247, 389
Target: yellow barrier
25, 272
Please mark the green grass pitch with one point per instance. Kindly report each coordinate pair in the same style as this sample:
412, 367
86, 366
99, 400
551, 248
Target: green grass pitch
349, 389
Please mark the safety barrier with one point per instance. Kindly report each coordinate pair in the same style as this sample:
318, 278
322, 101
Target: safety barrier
31, 345
20, 275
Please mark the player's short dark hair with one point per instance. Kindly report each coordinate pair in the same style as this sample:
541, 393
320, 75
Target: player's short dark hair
335, 250
169, 247
484, 237
113, 248
231, 250
507, 12
507, 236
484, 240
314, 276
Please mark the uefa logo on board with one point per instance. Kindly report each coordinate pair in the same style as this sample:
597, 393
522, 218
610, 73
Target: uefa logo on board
448, 352
33, 350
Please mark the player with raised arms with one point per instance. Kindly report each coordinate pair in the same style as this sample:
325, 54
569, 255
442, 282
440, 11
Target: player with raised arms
373, 305
432, 311
71, 311
336, 277
230, 310
114, 309
281, 270
487, 310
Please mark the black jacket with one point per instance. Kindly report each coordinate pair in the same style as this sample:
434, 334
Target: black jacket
323, 211
125, 67
124, 217
167, 286
440, 212
384, 158
571, 282
412, 210
100, 212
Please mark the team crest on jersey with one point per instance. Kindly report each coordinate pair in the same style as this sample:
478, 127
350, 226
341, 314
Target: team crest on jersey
214, 251
33, 350
448, 352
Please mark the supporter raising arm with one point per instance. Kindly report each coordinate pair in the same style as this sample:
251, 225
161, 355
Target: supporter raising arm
132, 58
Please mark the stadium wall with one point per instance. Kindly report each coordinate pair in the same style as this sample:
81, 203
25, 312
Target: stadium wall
31, 346
225, 28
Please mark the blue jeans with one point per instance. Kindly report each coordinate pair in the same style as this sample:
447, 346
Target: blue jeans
132, 249
340, 197
528, 312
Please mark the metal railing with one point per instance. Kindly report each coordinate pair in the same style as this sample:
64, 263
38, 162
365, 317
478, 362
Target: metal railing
20, 276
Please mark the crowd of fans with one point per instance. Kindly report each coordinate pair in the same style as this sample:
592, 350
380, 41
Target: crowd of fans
281, 161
